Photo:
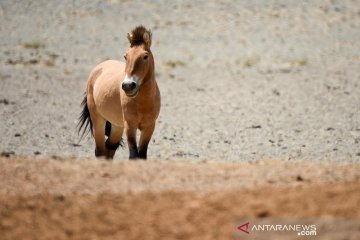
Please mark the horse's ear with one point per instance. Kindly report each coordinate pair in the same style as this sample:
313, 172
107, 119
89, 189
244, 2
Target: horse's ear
130, 37
147, 38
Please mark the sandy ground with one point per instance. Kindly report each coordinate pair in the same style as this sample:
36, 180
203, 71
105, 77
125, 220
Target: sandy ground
260, 120
92, 199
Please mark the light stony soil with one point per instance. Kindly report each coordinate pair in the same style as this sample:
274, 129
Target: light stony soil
239, 81
260, 120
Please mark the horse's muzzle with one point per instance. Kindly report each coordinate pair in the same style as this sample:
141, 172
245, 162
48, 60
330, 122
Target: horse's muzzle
129, 86
131, 89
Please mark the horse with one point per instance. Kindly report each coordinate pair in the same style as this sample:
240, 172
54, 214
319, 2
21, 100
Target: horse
123, 96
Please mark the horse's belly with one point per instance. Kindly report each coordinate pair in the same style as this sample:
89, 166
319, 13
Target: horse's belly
107, 93
112, 112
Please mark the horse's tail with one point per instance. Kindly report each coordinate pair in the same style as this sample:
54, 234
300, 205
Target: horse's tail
84, 119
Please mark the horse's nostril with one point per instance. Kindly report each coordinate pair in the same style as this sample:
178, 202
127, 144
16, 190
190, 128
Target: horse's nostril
123, 86
132, 85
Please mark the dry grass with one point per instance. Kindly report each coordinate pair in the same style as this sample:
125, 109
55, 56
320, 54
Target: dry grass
49, 62
33, 45
174, 63
299, 63
248, 62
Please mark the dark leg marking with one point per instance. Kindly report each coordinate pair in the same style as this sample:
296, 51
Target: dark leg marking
99, 153
111, 148
143, 152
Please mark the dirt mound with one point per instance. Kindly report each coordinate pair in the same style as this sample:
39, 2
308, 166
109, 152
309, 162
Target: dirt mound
72, 199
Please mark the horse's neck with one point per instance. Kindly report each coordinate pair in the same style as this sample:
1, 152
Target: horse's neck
149, 88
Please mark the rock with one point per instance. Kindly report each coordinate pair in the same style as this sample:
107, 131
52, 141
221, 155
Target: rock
7, 153
299, 178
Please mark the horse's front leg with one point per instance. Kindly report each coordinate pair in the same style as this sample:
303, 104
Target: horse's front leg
131, 140
146, 133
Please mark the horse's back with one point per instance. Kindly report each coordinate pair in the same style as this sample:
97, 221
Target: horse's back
104, 85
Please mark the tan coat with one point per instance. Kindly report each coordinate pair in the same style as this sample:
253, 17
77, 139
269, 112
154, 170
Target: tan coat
124, 96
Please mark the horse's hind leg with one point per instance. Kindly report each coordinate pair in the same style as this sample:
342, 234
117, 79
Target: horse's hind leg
113, 141
99, 135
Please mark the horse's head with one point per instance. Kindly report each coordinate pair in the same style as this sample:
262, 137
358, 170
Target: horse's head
139, 61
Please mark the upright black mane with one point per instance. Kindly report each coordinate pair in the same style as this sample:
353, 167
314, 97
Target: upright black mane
140, 35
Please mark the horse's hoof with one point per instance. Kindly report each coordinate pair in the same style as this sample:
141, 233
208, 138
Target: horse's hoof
111, 146
99, 153
137, 159
110, 154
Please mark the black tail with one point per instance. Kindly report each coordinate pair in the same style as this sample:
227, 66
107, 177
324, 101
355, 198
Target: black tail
86, 123
85, 120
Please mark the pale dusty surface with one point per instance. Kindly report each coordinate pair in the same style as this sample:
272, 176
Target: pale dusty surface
260, 119
239, 80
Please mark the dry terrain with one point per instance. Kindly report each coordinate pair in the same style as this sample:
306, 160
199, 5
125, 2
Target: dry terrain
260, 120
92, 199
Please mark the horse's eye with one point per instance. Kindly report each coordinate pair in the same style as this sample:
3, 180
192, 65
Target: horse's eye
125, 57
145, 57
